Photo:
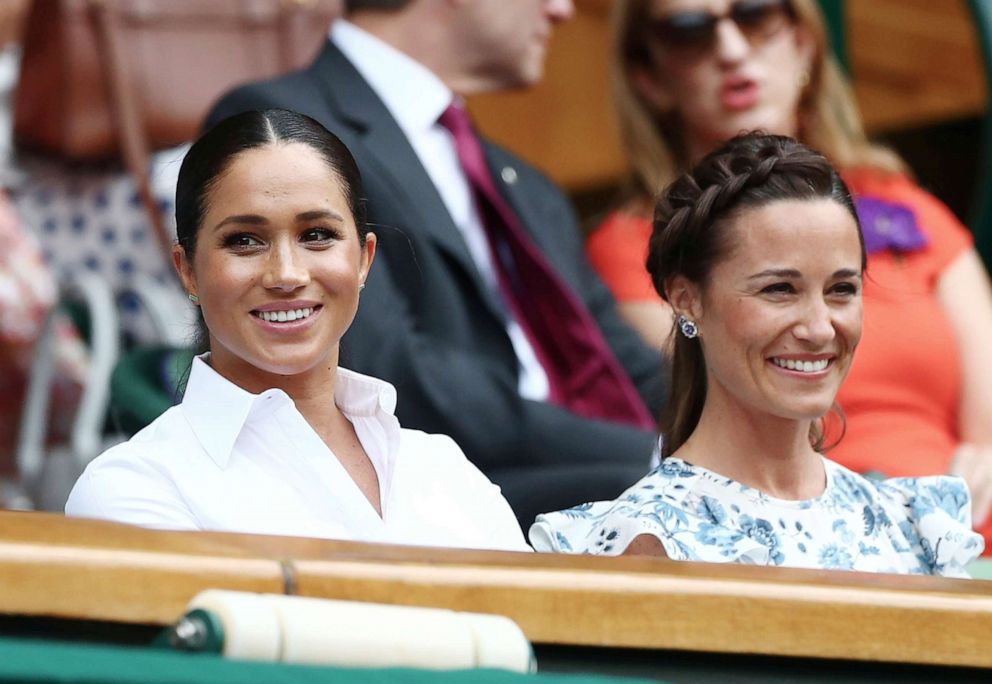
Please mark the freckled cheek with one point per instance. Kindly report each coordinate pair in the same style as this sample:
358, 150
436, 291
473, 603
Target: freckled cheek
223, 286
747, 323
340, 280
224, 272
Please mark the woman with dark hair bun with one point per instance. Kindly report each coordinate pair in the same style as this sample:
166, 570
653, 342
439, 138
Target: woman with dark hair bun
760, 255
272, 437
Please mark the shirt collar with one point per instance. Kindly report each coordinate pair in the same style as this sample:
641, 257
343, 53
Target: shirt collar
217, 410
362, 395
412, 93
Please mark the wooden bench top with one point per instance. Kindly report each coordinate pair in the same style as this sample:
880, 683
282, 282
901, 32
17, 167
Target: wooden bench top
66, 568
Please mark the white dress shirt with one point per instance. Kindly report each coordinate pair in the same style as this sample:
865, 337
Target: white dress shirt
231, 461
416, 98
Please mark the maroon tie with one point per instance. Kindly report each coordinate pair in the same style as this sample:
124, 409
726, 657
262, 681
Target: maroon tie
583, 372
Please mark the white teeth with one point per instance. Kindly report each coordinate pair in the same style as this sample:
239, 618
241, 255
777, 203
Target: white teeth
284, 316
802, 366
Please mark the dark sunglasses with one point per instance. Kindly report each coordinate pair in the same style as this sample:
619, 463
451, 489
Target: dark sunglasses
694, 33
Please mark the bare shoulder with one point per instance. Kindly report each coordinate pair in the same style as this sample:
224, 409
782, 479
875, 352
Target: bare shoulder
645, 545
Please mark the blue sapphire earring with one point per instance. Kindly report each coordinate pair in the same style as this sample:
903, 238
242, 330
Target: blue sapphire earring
688, 327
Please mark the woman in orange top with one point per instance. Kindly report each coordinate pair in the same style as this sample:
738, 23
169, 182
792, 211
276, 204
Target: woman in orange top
689, 74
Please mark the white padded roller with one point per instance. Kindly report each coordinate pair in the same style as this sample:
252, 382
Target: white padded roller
499, 643
251, 628
296, 629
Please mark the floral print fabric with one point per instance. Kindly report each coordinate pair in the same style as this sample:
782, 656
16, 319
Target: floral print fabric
917, 526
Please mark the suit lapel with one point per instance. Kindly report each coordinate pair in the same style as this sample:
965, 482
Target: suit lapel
390, 156
503, 168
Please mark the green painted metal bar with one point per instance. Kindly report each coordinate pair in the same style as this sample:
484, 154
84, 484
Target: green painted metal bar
981, 205
834, 13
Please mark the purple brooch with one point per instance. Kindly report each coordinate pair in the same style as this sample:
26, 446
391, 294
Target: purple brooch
889, 225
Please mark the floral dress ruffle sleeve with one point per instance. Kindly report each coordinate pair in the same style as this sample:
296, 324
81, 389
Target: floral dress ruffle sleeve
908, 525
666, 504
934, 526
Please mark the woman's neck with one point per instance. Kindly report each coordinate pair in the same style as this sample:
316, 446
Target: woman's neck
312, 391
757, 449
313, 395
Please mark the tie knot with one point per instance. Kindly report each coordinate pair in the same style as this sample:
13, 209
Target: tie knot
468, 147
456, 120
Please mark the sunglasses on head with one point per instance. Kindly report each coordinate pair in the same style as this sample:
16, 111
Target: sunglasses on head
693, 33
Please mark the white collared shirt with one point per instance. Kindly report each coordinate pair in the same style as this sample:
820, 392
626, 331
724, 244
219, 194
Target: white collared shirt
416, 98
231, 461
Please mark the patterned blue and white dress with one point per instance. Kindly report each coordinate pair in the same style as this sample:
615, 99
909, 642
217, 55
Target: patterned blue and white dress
918, 526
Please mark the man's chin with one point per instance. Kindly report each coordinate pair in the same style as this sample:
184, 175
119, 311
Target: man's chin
528, 75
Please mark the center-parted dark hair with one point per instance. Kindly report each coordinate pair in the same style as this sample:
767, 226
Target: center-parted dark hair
210, 157
212, 154
692, 234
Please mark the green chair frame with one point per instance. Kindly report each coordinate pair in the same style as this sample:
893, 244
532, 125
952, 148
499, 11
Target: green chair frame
147, 381
980, 214
981, 211
45, 475
836, 18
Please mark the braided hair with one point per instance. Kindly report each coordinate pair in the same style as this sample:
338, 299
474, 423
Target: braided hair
692, 234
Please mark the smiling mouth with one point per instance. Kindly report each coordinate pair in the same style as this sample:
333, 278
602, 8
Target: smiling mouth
285, 316
799, 366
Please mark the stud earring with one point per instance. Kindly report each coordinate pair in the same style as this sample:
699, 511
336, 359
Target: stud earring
193, 298
803, 79
688, 327
361, 287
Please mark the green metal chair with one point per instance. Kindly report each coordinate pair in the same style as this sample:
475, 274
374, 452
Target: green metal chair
46, 474
146, 381
833, 12
980, 215
150, 378
981, 211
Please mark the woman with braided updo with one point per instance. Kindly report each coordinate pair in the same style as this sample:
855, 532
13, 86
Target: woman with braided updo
759, 253
689, 74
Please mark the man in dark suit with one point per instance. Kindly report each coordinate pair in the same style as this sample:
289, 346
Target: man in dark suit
438, 318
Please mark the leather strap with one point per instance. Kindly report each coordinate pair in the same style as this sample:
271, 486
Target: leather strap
127, 113
126, 107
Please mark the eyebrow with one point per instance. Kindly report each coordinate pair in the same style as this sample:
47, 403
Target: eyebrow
257, 220
319, 214
792, 273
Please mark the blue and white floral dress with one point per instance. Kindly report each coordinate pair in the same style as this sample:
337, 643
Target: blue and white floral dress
918, 526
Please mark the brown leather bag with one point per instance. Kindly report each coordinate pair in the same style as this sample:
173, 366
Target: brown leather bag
12, 14
108, 78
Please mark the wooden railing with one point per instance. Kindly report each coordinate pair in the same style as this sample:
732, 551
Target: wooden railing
64, 568
915, 62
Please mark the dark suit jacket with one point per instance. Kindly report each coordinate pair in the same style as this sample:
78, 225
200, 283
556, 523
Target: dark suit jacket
429, 325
